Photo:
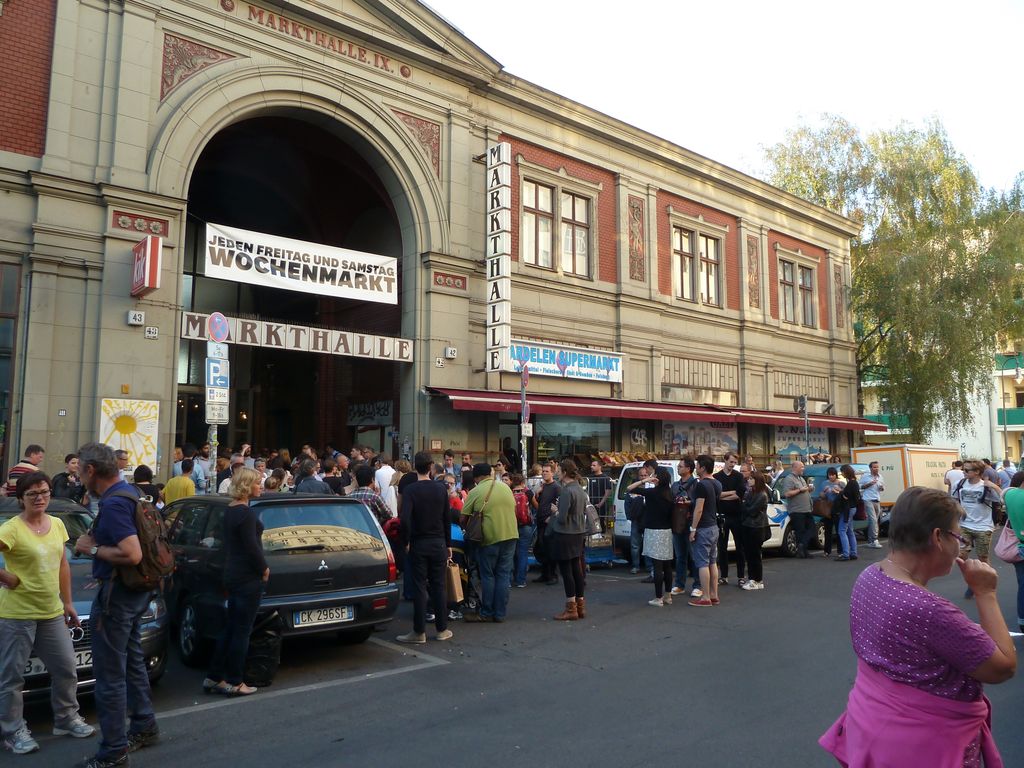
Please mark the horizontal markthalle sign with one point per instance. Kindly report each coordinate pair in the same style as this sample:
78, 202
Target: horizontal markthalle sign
295, 265
565, 362
300, 338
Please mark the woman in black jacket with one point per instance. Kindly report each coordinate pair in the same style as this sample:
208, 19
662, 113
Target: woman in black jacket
754, 528
245, 572
845, 506
658, 503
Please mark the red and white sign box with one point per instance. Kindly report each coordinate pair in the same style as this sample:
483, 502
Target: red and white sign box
146, 265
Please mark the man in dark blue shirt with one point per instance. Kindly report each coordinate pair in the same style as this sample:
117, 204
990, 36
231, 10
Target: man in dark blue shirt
118, 665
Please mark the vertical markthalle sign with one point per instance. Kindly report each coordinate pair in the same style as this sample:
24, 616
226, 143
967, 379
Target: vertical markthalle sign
498, 254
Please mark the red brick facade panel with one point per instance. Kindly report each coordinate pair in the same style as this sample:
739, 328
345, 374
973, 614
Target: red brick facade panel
812, 252
26, 39
731, 246
605, 209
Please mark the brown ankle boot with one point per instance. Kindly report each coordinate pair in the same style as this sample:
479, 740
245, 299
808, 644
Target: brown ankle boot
569, 614
581, 607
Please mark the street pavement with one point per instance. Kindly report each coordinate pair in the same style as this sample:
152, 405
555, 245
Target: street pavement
754, 681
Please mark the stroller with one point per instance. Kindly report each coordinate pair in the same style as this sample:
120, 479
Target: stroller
462, 555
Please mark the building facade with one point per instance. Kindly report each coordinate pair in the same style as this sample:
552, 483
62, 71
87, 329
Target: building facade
660, 301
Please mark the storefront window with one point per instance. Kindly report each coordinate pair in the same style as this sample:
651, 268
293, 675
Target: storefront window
581, 436
9, 278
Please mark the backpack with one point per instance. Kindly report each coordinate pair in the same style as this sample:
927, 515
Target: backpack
157, 560
523, 516
593, 519
984, 494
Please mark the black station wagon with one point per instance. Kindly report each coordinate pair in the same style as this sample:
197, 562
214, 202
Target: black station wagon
331, 568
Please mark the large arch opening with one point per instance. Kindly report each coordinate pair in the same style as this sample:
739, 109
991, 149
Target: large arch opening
304, 176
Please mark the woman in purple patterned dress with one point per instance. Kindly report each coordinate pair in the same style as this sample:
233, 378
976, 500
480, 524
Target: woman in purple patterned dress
921, 663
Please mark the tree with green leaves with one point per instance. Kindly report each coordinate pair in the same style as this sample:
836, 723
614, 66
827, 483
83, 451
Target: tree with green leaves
936, 269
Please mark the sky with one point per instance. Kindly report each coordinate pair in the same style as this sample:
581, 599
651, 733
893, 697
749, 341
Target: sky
727, 78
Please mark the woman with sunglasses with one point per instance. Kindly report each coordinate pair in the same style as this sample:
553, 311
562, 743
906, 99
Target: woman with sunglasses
35, 614
921, 663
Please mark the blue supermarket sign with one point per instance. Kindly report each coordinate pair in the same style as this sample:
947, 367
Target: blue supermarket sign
564, 362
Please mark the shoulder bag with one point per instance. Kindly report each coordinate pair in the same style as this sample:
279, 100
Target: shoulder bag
1007, 547
475, 524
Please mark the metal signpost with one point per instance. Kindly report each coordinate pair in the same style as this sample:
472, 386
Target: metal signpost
218, 382
525, 427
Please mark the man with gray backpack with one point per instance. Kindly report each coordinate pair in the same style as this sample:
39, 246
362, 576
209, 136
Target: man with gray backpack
977, 496
130, 556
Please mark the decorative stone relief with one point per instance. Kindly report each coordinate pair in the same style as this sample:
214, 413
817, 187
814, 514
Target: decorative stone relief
839, 291
428, 134
184, 58
448, 280
145, 225
753, 271
637, 241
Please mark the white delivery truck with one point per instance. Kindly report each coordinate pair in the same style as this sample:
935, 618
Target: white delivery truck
905, 465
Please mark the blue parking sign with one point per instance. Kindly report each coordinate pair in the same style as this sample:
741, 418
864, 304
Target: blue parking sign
217, 373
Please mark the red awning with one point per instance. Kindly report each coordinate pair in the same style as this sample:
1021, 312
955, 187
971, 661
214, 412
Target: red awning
791, 418
565, 405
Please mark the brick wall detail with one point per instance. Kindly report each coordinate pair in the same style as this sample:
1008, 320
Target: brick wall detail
26, 39
604, 214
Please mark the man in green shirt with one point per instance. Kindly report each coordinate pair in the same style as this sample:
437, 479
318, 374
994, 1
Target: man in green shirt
494, 500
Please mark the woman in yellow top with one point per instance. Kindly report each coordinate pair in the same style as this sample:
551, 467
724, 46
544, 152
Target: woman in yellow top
35, 614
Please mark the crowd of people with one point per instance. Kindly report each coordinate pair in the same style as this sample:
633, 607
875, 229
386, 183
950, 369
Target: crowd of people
921, 662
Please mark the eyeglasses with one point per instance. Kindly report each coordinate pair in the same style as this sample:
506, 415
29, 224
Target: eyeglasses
958, 537
37, 494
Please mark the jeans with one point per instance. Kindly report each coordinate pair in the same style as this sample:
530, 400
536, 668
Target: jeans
122, 684
51, 641
495, 562
847, 540
636, 545
803, 529
523, 552
874, 510
228, 661
727, 525
427, 561
1019, 568
681, 546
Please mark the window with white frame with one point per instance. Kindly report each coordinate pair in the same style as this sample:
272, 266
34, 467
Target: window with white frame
575, 213
796, 293
537, 228
698, 270
710, 271
682, 253
558, 230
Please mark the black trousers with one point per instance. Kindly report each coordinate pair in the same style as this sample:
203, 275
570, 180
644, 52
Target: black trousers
830, 532
572, 576
548, 566
663, 570
725, 526
750, 540
427, 560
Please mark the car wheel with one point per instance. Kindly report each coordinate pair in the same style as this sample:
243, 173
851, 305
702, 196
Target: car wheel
789, 547
820, 531
191, 645
355, 636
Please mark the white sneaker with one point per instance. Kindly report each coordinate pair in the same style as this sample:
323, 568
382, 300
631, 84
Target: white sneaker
657, 602
667, 599
445, 635
749, 586
77, 728
414, 638
21, 742
678, 591
874, 545
696, 592
760, 584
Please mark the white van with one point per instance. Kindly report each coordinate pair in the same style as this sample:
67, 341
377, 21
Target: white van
781, 533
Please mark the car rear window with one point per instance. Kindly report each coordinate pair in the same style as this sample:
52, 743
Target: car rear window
321, 527
629, 476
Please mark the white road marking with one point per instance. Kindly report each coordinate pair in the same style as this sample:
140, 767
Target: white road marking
428, 662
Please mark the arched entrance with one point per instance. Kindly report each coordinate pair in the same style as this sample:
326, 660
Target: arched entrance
300, 175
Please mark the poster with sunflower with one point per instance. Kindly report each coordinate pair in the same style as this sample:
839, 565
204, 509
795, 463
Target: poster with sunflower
131, 425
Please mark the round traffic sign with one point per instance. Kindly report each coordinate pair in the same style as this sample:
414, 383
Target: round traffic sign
217, 327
